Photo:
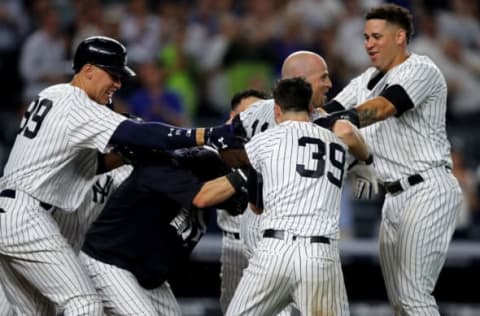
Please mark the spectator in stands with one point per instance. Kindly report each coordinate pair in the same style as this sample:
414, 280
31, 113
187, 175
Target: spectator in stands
43, 59
153, 101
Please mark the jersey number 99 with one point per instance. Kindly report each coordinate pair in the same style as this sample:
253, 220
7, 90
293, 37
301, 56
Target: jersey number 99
36, 113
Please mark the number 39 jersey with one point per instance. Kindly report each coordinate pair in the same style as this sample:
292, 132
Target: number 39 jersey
303, 167
54, 156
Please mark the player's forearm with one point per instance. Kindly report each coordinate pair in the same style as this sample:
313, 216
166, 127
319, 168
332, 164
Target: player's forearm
213, 192
375, 110
153, 135
350, 135
163, 136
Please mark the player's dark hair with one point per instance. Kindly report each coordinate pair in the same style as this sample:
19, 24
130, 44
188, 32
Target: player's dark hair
293, 94
239, 96
395, 14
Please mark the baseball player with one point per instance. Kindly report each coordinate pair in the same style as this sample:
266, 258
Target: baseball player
233, 259
303, 167
53, 163
400, 103
73, 226
151, 224
260, 116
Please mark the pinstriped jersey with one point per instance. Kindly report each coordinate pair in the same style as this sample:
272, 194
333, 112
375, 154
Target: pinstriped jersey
54, 156
257, 118
303, 167
416, 140
74, 225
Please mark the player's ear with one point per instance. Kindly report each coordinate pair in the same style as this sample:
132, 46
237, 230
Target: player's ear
277, 111
401, 36
88, 69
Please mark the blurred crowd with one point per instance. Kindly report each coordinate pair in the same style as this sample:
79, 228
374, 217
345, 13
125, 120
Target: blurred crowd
191, 56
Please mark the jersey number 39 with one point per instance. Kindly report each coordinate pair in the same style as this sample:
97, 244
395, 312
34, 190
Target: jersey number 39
36, 114
338, 161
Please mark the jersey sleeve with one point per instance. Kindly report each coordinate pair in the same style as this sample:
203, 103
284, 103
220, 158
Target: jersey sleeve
418, 81
258, 117
348, 96
91, 125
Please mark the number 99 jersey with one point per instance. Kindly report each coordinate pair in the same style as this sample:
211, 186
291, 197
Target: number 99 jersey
54, 157
303, 167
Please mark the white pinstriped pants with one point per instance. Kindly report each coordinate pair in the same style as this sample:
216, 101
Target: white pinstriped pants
251, 235
35, 258
250, 231
286, 271
233, 262
415, 232
122, 295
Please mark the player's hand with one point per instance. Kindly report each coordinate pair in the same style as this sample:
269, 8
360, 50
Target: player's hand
365, 180
237, 204
223, 137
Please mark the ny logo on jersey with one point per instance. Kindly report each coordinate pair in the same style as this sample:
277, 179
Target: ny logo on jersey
221, 142
102, 190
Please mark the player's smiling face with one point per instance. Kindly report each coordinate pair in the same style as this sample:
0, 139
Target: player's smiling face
320, 81
383, 43
105, 85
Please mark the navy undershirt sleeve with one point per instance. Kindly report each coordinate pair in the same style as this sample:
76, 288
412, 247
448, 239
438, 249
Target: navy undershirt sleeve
153, 135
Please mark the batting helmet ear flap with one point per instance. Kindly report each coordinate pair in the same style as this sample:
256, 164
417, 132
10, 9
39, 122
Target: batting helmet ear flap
105, 53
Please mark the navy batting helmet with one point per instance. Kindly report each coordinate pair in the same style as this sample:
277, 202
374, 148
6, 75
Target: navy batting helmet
103, 52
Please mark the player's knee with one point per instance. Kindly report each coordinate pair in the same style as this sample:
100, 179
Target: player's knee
86, 305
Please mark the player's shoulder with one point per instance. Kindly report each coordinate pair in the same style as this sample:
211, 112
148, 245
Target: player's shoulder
57, 90
67, 94
258, 117
420, 64
364, 76
260, 106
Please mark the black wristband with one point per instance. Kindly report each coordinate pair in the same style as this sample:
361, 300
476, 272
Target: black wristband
350, 115
329, 120
237, 181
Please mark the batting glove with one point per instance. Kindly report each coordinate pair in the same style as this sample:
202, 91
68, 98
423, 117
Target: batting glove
364, 178
223, 137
